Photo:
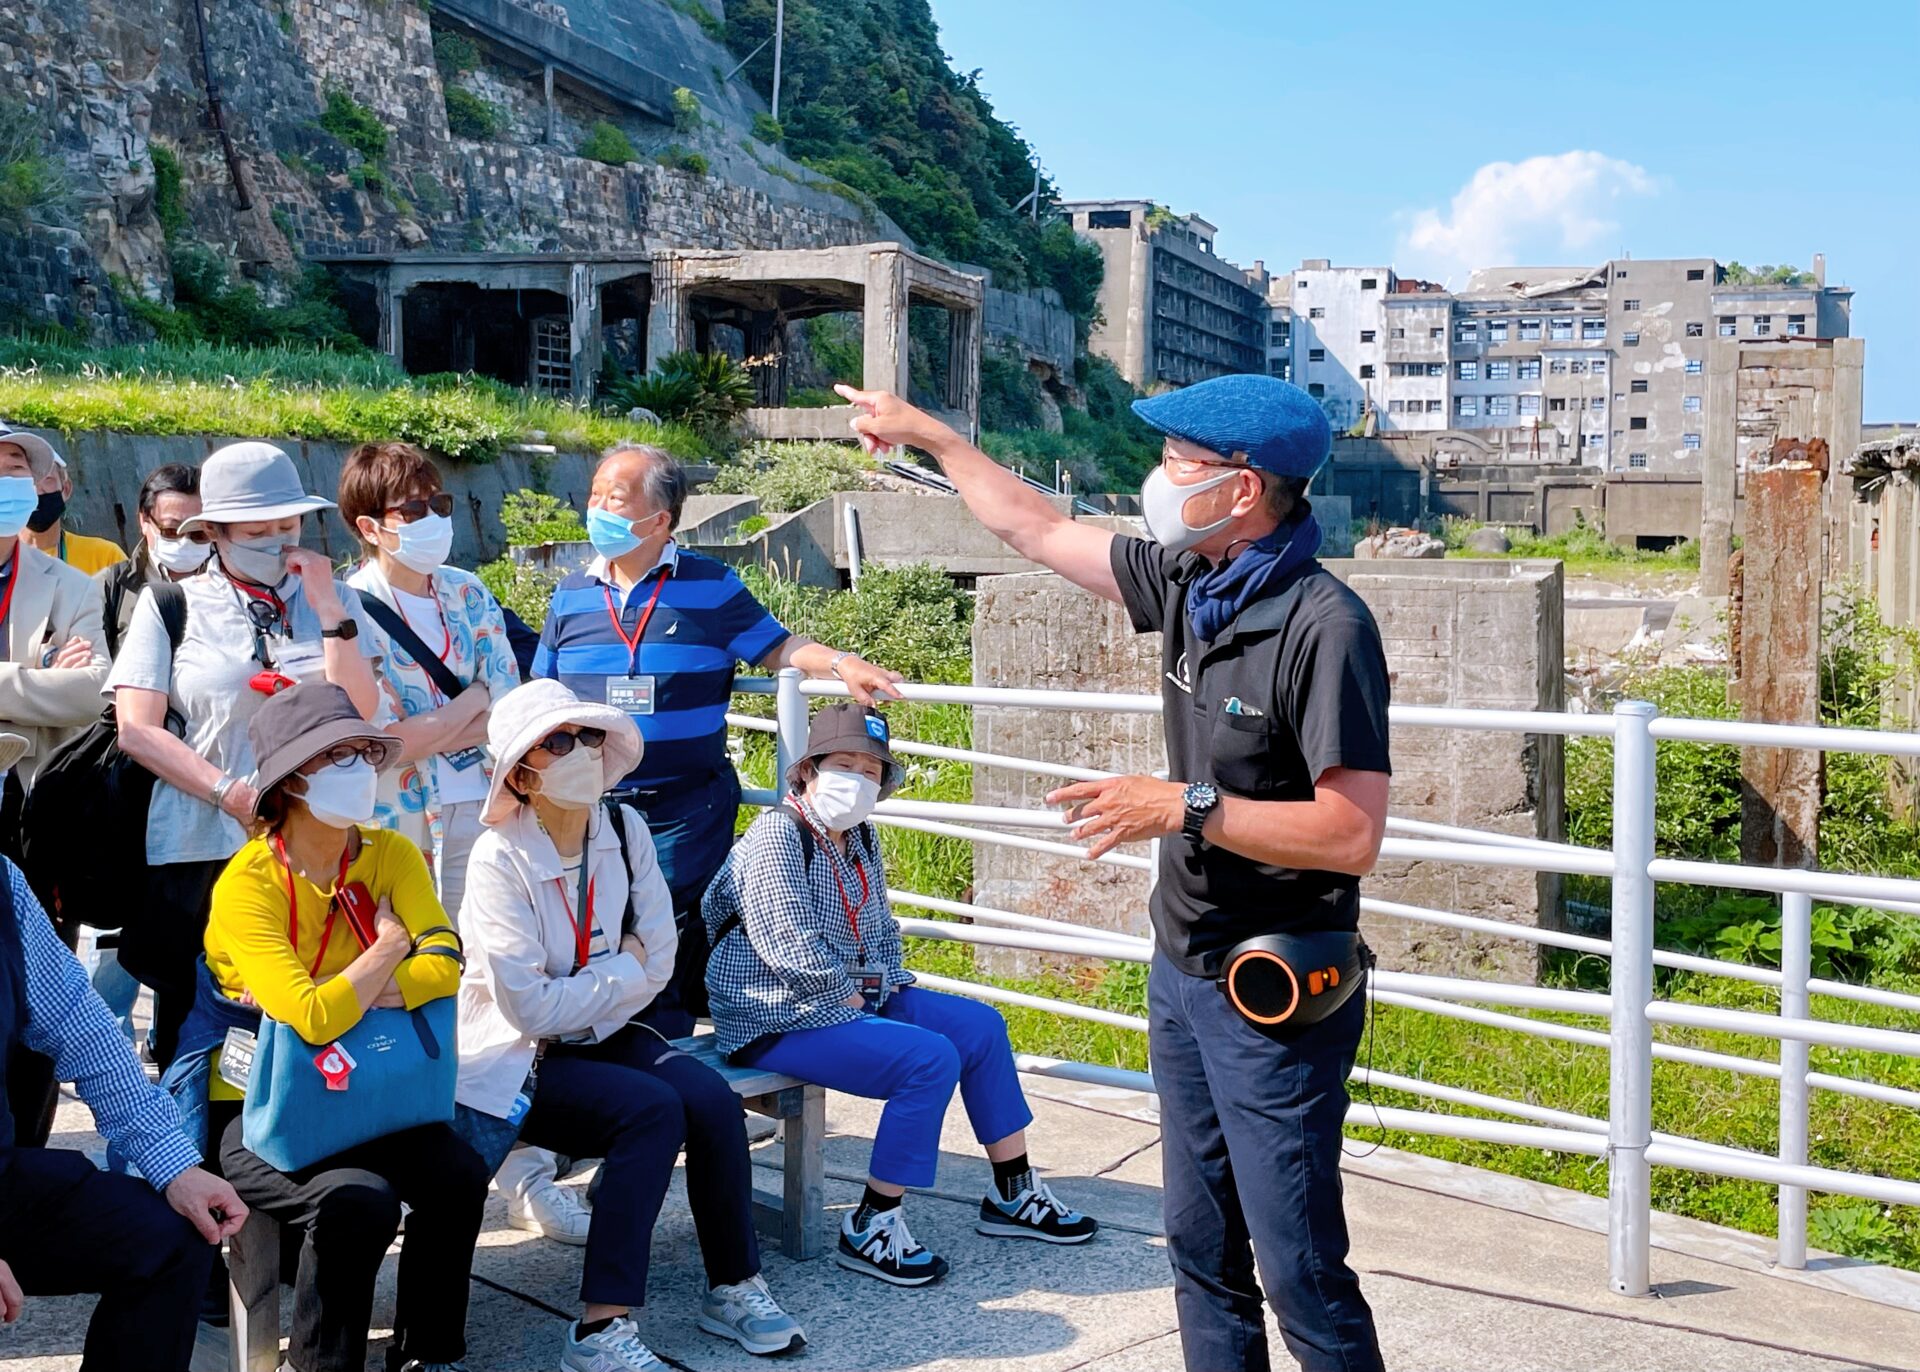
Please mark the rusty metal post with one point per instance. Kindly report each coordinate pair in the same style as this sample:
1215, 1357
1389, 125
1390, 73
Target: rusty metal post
1779, 665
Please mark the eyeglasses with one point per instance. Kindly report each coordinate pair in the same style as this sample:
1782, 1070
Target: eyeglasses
346, 754
200, 536
560, 743
265, 614
1172, 459
412, 510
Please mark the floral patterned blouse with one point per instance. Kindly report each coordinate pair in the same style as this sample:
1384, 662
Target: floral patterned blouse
475, 634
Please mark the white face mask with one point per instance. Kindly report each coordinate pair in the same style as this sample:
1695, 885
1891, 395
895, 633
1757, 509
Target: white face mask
424, 544
178, 554
574, 782
343, 796
1164, 504
843, 799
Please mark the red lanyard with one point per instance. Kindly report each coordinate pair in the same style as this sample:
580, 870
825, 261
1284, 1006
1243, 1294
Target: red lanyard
293, 904
252, 592
582, 928
633, 644
866, 891
13, 580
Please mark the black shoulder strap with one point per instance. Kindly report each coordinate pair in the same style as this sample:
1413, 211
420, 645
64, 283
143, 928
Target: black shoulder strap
402, 633
171, 601
116, 595
805, 831
613, 807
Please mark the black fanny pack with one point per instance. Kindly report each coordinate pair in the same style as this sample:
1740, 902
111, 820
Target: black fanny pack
1293, 980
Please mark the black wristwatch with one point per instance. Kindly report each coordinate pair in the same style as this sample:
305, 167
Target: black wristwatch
1201, 797
346, 630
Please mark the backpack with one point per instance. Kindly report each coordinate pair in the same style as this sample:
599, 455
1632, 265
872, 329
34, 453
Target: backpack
83, 832
808, 843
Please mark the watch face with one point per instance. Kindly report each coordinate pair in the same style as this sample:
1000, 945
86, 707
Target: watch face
1202, 795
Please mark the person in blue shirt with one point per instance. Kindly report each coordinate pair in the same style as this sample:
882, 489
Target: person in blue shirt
145, 1244
656, 630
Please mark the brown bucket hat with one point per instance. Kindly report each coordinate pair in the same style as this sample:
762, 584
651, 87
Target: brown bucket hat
849, 728
299, 724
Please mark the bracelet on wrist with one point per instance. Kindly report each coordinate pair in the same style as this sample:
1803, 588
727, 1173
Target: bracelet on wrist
218, 795
833, 667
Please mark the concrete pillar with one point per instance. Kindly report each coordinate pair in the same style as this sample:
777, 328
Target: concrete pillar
1138, 364
1717, 464
1849, 356
583, 318
392, 328
1780, 788
884, 319
963, 366
669, 329
553, 114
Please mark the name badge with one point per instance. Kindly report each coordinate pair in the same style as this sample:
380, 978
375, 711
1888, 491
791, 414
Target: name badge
465, 758
301, 660
870, 982
236, 1058
633, 694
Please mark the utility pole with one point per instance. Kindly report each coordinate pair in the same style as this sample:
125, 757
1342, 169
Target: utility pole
779, 34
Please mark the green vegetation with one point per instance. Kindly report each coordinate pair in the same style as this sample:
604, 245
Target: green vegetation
1583, 547
355, 125
837, 346
1106, 448
768, 129
792, 476
606, 142
680, 159
686, 110
1159, 219
871, 103
33, 187
169, 192
1734, 274
454, 53
468, 116
200, 388
530, 518
707, 390
702, 16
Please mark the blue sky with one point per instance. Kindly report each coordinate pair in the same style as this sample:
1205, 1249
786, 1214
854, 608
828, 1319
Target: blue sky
1438, 137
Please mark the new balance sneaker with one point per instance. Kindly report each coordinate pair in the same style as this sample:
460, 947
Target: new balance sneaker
748, 1314
617, 1348
1036, 1213
885, 1249
553, 1211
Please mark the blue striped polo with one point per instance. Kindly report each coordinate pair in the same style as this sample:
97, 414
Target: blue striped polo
706, 620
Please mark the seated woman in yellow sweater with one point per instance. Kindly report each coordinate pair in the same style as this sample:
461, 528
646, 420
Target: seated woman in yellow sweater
281, 938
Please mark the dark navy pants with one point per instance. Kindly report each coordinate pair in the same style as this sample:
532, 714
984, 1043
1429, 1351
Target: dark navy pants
692, 829
1250, 1133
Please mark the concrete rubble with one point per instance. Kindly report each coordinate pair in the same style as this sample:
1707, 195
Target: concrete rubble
1399, 543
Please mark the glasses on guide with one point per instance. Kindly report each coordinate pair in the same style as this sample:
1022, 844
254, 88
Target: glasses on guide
199, 536
1169, 458
562, 742
412, 511
346, 754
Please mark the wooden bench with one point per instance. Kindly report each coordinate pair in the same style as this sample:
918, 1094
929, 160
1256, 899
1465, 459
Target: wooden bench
796, 1217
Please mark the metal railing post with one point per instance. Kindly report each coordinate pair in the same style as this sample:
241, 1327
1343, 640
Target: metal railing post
1796, 967
1630, 1075
790, 714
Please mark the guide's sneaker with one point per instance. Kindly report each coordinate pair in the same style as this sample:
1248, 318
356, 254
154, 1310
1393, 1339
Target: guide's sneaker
748, 1314
617, 1348
885, 1249
1036, 1213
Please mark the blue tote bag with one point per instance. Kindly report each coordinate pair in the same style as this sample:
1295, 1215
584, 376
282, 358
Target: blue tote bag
398, 1068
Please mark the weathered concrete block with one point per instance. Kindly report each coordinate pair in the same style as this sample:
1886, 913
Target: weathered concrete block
1039, 631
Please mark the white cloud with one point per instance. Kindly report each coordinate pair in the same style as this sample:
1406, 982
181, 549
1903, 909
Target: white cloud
1544, 205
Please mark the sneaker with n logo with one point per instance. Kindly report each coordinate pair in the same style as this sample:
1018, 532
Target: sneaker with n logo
1036, 1213
885, 1249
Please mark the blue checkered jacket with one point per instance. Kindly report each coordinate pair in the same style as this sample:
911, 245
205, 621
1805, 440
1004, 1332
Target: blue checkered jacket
784, 967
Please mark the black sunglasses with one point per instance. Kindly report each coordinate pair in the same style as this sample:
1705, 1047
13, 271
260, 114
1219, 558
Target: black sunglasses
561, 743
192, 535
412, 510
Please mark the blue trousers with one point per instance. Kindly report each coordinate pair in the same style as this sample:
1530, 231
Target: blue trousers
692, 829
1250, 1149
910, 1055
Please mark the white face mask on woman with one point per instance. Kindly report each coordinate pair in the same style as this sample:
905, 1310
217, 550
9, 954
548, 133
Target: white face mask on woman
574, 782
843, 799
343, 796
424, 544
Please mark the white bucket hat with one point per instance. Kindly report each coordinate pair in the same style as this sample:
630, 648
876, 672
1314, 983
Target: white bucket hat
527, 714
247, 483
41, 457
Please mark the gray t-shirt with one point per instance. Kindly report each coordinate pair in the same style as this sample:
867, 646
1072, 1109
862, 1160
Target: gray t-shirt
207, 685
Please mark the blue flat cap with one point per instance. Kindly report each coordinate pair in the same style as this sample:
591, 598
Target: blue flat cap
1277, 425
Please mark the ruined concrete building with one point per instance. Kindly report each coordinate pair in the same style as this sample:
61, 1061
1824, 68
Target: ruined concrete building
1172, 311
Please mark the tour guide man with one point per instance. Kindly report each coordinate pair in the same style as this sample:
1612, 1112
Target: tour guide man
1275, 693
656, 630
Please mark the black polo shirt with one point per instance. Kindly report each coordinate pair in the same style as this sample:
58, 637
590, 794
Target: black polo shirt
1295, 686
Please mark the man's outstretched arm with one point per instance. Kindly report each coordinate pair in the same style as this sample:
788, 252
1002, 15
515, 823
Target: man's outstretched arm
1018, 515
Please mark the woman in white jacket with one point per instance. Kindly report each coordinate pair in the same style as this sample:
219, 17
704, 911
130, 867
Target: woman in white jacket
567, 940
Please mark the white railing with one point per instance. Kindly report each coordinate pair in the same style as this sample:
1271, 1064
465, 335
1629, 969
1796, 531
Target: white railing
1627, 1013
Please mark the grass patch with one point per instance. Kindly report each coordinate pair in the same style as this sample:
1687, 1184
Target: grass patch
203, 388
791, 476
1583, 548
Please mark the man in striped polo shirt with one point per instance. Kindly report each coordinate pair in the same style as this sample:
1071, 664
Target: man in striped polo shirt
656, 631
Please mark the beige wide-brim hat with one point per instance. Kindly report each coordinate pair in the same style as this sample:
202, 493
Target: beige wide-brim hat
12, 749
527, 714
250, 483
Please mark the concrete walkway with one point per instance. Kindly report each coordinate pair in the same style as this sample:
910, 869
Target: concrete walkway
1465, 1269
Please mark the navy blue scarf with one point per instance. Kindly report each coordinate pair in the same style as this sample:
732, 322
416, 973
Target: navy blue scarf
1220, 593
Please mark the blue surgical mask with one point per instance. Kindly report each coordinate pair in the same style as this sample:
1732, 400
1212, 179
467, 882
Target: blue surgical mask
611, 535
18, 500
